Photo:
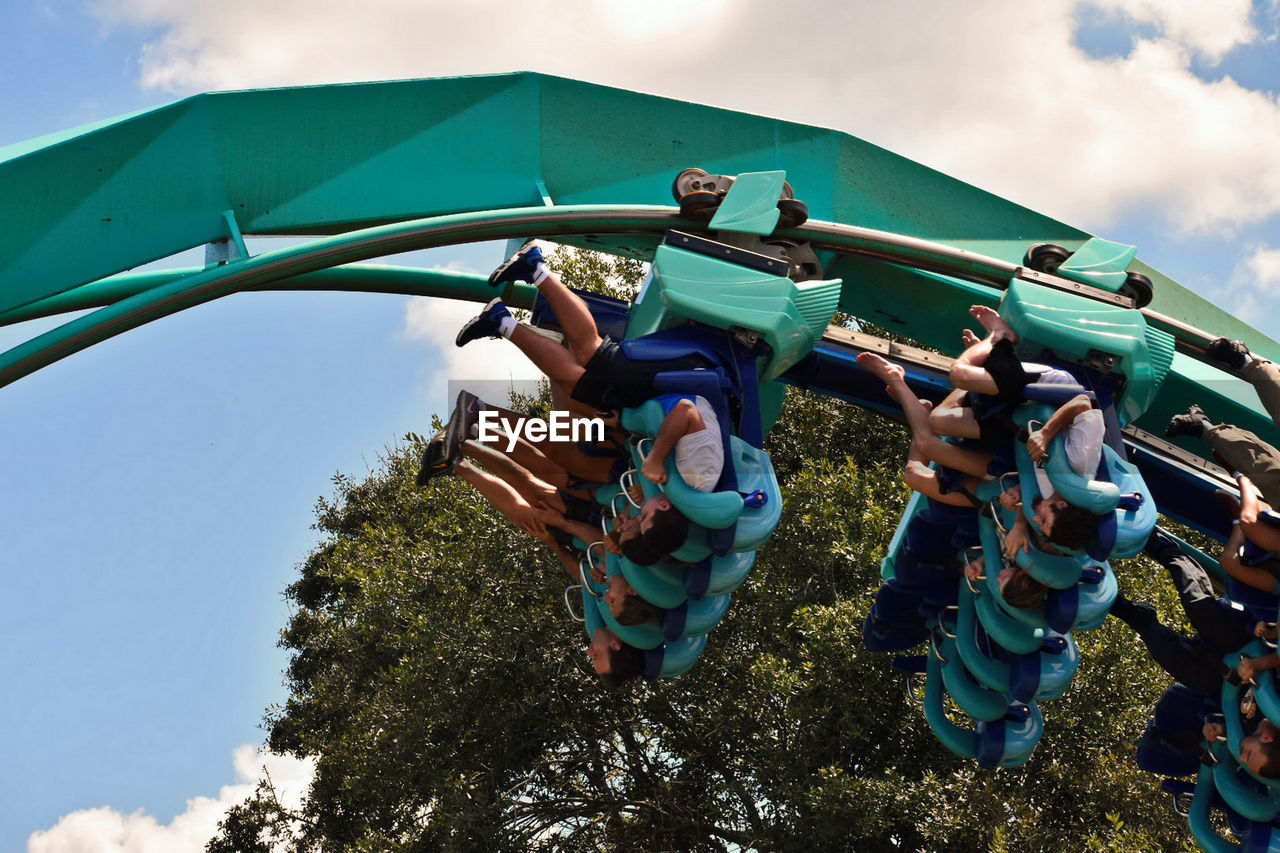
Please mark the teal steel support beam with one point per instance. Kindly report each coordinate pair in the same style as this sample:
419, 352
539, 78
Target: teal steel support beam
362, 278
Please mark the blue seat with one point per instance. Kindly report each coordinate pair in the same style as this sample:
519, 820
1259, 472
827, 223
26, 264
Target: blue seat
717, 575
673, 659
694, 617
721, 350
885, 638
1159, 756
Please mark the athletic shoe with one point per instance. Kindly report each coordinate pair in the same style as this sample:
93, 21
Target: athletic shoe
434, 460
1228, 352
1135, 614
465, 412
1192, 422
1160, 547
486, 324
522, 266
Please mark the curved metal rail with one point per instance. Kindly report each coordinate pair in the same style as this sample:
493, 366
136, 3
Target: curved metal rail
364, 244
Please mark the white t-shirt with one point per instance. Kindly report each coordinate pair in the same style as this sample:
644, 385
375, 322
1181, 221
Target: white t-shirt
1083, 442
700, 455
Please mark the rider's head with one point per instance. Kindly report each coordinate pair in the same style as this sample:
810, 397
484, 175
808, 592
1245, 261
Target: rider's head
1067, 526
1019, 589
625, 605
662, 525
615, 662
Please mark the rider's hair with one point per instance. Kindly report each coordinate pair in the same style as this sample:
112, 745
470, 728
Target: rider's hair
625, 663
1023, 591
668, 530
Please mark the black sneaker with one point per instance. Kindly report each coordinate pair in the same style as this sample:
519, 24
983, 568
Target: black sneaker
465, 412
522, 266
1228, 352
486, 324
1160, 547
1135, 614
434, 460
1193, 422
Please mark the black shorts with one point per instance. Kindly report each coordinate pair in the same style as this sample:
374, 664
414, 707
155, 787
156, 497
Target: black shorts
1006, 369
613, 381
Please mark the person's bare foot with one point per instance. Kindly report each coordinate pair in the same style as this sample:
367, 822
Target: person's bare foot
881, 368
968, 338
993, 323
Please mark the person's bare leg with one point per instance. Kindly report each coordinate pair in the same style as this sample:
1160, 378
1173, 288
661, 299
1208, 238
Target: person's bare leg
921, 478
505, 499
967, 370
923, 438
574, 316
550, 357
529, 487
952, 417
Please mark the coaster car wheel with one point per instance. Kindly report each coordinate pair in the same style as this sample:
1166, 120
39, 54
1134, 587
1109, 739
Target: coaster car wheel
686, 182
792, 212
1045, 257
699, 205
1139, 287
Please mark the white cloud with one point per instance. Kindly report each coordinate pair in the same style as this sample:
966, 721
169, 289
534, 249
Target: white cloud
991, 91
1255, 287
1211, 29
105, 830
437, 321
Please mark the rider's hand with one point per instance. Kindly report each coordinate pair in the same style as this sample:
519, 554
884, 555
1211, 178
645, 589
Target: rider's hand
1011, 498
1037, 445
654, 471
1247, 669
1213, 731
1016, 541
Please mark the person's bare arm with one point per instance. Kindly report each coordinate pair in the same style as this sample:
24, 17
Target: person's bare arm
682, 420
1250, 667
1038, 441
1230, 561
1251, 524
1017, 539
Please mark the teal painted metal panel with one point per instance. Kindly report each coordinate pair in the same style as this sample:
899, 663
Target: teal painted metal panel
101, 199
105, 198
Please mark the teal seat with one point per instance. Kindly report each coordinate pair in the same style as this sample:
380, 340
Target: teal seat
715, 510
1000, 619
974, 698
995, 744
662, 584
1056, 670
728, 572
664, 661
1199, 816
1056, 571
672, 659
1085, 492
1133, 524
696, 617
596, 613
1095, 601
755, 473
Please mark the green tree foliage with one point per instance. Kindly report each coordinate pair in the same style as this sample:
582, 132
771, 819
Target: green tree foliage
444, 692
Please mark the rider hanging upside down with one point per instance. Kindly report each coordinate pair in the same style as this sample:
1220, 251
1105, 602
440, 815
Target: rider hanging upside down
994, 379
552, 514
595, 371
955, 481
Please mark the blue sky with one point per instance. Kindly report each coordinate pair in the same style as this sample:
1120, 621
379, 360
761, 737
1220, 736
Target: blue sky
158, 488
